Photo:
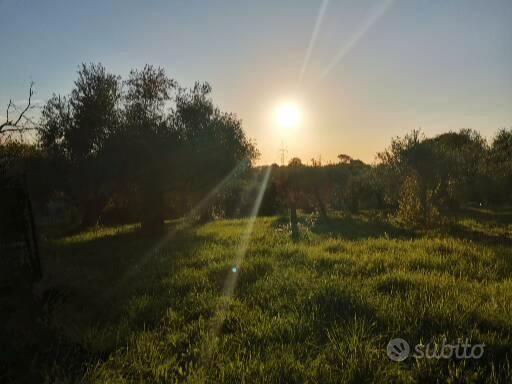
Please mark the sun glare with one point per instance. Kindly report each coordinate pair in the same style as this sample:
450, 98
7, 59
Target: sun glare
288, 115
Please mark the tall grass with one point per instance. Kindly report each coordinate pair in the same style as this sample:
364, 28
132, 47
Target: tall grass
318, 309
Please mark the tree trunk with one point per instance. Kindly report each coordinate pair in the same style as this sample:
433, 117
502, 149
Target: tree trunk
293, 219
321, 207
380, 200
354, 204
205, 215
424, 204
152, 221
92, 209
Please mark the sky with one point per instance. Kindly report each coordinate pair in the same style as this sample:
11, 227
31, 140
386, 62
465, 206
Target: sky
360, 72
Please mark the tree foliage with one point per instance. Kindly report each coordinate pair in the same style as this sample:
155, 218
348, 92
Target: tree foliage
152, 149
141, 141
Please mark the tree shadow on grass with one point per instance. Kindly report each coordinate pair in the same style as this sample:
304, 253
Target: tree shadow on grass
333, 303
107, 271
487, 227
502, 215
354, 227
464, 233
98, 290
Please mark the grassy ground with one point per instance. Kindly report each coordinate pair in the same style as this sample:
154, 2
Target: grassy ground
320, 309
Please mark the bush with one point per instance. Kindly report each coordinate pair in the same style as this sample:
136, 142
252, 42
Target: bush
416, 203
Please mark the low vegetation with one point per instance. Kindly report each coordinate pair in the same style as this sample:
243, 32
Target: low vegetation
321, 308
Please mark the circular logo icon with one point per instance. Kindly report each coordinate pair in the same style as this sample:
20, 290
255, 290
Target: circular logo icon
398, 349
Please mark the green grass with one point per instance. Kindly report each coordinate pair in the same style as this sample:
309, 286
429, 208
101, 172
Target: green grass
320, 309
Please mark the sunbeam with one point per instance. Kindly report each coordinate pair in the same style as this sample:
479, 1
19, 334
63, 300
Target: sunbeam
316, 29
232, 277
233, 274
240, 167
185, 223
189, 217
375, 14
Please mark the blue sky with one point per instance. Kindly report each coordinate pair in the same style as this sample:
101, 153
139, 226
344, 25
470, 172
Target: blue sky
439, 64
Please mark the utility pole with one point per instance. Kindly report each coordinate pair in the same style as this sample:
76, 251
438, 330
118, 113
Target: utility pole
282, 152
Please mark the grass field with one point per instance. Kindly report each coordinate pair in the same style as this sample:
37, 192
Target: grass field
318, 309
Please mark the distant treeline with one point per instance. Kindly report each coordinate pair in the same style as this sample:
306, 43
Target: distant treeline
421, 179
145, 149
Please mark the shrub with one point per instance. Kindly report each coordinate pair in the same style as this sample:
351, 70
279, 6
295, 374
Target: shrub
416, 203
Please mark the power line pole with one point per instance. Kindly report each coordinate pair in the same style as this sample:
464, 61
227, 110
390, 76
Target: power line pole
282, 152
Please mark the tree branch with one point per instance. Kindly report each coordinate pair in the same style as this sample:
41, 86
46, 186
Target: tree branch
19, 129
13, 124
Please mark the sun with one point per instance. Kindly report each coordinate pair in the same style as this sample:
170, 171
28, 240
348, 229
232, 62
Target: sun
288, 115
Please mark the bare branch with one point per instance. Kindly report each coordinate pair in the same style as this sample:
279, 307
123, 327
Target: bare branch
11, 104
20, 129
14, 124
